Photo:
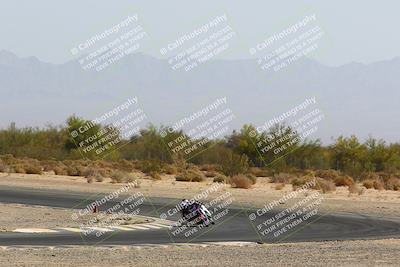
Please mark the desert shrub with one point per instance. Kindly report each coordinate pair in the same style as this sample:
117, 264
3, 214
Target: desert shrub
368, 184
130, 178
196, 176
297, 182
343, 181
125, 165
300, 181
220, 178
384, 176
2, 166
190, 175
118, 177
148, 166
182, 178
90, 172
8, 159
279, 186
19, 168
369, 176
106, 172
155, 175
210, 174
376, 184
59, 170
101, 164
99, 178
49, 165
281, 178
393, 184
300, 172
209, 168
379, 185
325, 185
240, 181
355, 189
170, 169
31, 168
75, 170
259, 172
327, 174
252, 178
234, 164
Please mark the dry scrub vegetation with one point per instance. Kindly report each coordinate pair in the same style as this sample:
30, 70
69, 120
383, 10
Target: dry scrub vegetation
236, 175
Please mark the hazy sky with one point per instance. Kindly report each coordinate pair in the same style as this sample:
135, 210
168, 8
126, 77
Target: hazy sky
358, 30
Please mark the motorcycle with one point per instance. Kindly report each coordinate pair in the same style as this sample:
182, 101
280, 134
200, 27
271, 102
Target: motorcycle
197, 213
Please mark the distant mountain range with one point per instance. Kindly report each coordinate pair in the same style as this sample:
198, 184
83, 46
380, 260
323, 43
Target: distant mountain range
355, 98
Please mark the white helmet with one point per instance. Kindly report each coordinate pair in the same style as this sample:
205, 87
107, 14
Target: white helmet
185, 203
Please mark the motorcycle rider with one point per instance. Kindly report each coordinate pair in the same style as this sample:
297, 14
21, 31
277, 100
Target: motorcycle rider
185, 207
194, 209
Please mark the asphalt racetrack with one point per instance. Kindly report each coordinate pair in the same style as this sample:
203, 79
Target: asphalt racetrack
234, 226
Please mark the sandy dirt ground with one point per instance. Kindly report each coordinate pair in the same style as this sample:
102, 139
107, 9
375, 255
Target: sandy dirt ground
14, 216
371, 202
343, 253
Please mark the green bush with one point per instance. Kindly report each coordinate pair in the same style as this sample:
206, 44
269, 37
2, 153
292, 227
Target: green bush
220, 178
234, 164
99, 178
125, 165
118, 177
148, 166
